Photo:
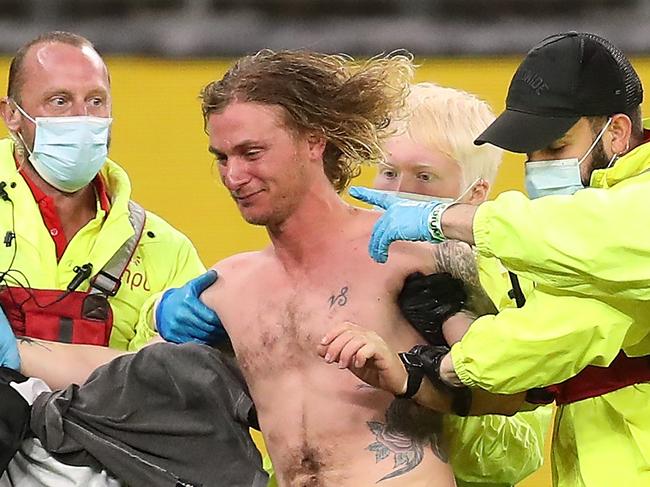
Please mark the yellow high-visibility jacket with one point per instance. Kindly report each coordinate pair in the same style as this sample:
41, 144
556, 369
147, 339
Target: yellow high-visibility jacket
588, 254
594, 242
163, 258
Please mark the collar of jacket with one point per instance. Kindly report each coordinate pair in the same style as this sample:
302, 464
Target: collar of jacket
632, 164
118, 186
116, 228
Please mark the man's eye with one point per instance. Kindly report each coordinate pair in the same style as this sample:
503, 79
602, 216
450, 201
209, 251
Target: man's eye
97, 102
253, 153
58, 101
425, 176
388, 173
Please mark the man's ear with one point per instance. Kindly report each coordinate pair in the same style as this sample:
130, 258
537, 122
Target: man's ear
620, 131
10, 114
478, 193
316, 144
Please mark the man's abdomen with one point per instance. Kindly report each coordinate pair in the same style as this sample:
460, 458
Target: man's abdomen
323, 427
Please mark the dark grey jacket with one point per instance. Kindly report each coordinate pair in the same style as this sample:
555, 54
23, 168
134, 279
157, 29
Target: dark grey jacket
169, 415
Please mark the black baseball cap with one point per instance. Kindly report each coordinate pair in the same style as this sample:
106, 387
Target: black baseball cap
563, 78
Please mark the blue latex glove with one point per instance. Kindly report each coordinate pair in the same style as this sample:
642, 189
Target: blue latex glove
403, 220
9, 356
181, 317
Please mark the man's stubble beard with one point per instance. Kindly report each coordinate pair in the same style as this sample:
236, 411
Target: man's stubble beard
273, 218
599, 160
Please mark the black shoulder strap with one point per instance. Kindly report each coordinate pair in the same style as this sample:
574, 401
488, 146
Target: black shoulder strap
516, 293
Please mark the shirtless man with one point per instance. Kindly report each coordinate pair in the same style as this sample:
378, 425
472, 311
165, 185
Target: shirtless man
288, 130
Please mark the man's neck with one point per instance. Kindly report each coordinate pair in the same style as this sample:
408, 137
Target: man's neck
304, 235
75, 210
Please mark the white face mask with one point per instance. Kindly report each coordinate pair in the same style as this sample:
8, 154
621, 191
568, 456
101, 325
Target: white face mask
561, 176
69, 151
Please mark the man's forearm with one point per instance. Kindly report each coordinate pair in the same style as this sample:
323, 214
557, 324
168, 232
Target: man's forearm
62, 364
457, 223
483, 402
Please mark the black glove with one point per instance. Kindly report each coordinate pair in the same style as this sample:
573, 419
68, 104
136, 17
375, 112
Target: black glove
427, 301
14, 416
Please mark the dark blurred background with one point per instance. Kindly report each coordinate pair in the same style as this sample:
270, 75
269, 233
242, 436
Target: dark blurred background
210, 28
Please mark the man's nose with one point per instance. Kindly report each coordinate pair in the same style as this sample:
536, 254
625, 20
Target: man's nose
403, 185
79, 108
236, 174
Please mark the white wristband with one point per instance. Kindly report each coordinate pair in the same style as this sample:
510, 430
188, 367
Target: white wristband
435, 222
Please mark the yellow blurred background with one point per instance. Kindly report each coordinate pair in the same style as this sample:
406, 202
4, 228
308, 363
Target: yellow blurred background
158, 138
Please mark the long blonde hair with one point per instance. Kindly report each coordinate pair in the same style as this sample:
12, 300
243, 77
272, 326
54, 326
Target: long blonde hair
349, 103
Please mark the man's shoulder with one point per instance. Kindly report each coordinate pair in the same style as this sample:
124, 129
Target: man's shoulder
236, 273
243, 262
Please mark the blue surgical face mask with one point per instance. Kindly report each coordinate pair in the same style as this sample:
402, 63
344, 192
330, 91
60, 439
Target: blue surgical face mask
562, 176
68, 152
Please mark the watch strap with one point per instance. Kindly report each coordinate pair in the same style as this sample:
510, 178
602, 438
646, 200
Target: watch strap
415, 375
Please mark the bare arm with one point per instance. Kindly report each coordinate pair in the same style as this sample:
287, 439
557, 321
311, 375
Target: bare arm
483, 402
458, 223
459, 260
369, 357
62, 364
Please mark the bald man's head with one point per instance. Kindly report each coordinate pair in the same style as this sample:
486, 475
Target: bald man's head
16, 71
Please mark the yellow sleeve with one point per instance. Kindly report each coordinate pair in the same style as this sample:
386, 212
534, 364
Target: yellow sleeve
186, 265
496, 282
594, 242
549, 340
496, 449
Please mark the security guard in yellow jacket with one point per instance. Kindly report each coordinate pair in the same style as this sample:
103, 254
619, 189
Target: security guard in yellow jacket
82, 263
582, 338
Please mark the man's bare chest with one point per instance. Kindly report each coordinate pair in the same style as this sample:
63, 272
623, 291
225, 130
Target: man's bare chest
284, 319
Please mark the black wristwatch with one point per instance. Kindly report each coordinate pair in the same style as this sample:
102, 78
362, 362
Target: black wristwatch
424, 360
415, 370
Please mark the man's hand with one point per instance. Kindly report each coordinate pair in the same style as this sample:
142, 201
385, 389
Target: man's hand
367, 356
181, 317
403, 220
9, 355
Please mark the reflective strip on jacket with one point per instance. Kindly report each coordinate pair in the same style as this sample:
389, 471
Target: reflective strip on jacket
164, 257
